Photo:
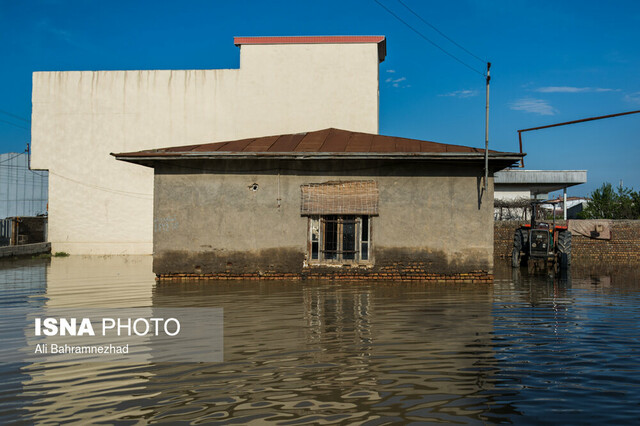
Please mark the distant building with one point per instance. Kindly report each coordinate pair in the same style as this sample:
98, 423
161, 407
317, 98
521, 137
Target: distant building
516, 188
329, 203
283, 85
23, 192
574, 205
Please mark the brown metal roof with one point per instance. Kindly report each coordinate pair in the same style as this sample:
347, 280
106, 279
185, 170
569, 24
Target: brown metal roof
327, 140
327, 143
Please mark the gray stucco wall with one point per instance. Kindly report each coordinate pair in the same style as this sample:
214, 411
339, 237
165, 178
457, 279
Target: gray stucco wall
207, 219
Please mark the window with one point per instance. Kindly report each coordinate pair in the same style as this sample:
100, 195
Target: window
339, 239
339, 216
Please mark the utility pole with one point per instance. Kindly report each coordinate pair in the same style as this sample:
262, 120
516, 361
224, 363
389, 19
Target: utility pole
486, 134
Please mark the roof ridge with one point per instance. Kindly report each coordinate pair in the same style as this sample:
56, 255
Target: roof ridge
335, 140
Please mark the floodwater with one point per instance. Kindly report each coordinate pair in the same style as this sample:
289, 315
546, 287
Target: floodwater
530, 348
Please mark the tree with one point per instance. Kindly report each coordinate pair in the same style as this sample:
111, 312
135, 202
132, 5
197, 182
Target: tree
607, 203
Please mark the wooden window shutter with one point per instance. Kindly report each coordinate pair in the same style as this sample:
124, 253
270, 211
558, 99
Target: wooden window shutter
340, 197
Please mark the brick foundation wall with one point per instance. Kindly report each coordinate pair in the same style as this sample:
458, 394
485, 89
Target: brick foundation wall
398, 271
622, 248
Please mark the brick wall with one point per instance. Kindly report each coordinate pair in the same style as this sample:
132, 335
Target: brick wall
397, 271
623, 247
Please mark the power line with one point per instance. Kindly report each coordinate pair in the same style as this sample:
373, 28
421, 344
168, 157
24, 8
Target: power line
14, 124
11, 158
429, 40
440, 32
14, 116
12, 167
105, 189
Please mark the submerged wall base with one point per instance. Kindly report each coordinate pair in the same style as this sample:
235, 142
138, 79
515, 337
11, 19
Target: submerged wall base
345, 275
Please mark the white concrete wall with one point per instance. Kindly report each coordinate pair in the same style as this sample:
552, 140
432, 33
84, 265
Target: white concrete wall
98, 205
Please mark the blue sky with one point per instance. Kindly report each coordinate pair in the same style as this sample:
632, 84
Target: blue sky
552, 61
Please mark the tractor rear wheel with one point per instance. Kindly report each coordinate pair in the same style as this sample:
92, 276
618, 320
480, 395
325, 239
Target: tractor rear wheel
517, 247
564, 249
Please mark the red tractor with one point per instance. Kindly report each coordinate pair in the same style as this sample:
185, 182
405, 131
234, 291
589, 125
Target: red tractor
541, 241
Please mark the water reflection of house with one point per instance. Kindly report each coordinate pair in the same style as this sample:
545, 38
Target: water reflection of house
370, 350
324, 203
68, 389
409, 345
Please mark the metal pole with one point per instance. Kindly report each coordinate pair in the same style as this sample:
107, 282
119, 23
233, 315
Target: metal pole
571, 122
564, 202
521, 158
580, 121
486, 133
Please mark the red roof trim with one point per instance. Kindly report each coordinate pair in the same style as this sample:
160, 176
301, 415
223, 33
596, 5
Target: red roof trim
308, 40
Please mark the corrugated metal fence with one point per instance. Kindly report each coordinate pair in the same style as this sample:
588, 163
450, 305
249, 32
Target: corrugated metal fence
5, 231
23, 192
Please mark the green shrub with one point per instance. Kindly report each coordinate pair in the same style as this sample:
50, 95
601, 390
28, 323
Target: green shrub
607, 203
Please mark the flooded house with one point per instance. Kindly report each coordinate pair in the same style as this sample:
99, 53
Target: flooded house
328, 203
